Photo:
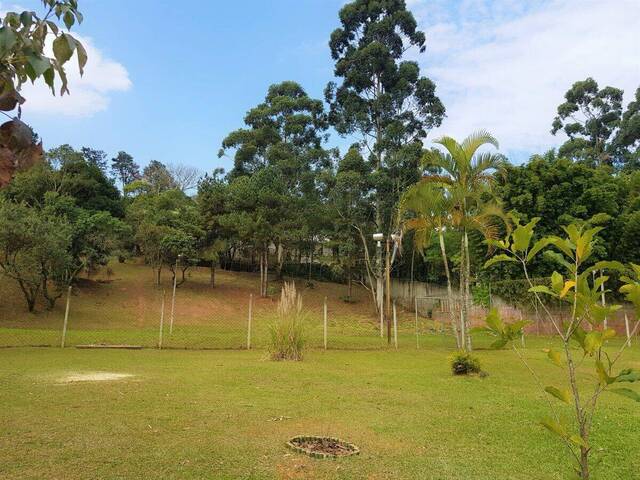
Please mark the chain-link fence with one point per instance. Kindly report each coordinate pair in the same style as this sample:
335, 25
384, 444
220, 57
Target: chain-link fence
124, 307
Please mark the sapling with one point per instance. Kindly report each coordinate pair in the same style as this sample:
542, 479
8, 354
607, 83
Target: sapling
583, 328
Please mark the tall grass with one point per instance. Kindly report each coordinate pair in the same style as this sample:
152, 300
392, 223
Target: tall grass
287, 331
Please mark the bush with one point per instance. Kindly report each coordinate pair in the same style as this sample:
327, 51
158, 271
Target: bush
464, 363
287, 332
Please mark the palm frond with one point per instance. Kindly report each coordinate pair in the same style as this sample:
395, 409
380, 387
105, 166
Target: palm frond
477, 139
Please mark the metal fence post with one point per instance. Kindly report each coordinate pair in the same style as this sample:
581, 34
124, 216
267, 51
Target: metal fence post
395, 326
173, 299
249, 321
325, 323
417, 334
161, 322
66, 318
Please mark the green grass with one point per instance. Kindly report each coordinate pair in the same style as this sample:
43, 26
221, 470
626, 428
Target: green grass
208, 414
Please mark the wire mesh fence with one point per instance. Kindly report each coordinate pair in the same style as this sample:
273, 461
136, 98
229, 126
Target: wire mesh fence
129, 309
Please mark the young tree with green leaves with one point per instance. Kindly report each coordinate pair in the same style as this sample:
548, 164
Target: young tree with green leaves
584, 329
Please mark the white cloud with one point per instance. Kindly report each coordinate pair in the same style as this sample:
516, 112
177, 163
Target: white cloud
89, 94
504, 65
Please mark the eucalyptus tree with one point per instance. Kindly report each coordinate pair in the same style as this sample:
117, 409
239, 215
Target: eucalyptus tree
467, 176
590, 117
284, 135
350, 200
382, 97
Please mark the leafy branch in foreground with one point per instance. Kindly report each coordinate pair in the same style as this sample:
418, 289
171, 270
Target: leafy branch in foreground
581, 291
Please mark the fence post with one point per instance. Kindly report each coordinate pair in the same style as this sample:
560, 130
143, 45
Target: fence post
381, 307
249, 321
325, 323
161, 321
66, 318
417, 334
173, 299
626, 326
395, 326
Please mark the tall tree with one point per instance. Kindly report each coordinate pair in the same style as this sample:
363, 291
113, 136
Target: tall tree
95, 157
467, 177
284, 135
627, 142
590, 116
157, 175
125, 169
382, 97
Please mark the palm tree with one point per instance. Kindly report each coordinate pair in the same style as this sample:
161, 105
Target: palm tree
467, 176
431, 207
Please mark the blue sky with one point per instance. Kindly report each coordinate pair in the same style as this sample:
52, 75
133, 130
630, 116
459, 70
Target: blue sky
168, 80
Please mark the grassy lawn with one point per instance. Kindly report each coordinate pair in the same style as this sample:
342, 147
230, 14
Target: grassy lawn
227, 414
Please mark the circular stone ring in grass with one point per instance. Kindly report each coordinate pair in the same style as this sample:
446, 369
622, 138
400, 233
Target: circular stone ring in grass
322, 447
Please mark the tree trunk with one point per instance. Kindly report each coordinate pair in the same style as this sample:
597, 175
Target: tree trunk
213, 274
449, 289
349, 283
158, 273
463, 302
467, 291
280, 263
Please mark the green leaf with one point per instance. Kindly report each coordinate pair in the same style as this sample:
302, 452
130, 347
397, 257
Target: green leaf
7, 40
555, 357
562, 395
522, 235
604, 377
82, 56
39, 64
68, 19
499, 343
577, 440
541, 289
494, 321
555, 427
502, 257
539, 245
557, 282
26, 18
628, 375
627, 392
63, 47
592, 342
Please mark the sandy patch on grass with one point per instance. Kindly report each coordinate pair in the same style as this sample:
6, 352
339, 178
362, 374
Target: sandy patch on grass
93, 377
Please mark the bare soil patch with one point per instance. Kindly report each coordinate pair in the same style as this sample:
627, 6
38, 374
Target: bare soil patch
75, 377
322, 447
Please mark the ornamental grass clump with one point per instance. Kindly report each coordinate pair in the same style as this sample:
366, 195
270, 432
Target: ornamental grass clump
287, 332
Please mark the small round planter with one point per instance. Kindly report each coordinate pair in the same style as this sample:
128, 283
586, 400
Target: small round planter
322, 447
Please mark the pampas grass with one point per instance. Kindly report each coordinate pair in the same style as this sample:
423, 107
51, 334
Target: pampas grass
287, 332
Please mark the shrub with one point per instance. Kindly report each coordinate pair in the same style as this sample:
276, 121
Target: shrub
287, 332
464, 363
